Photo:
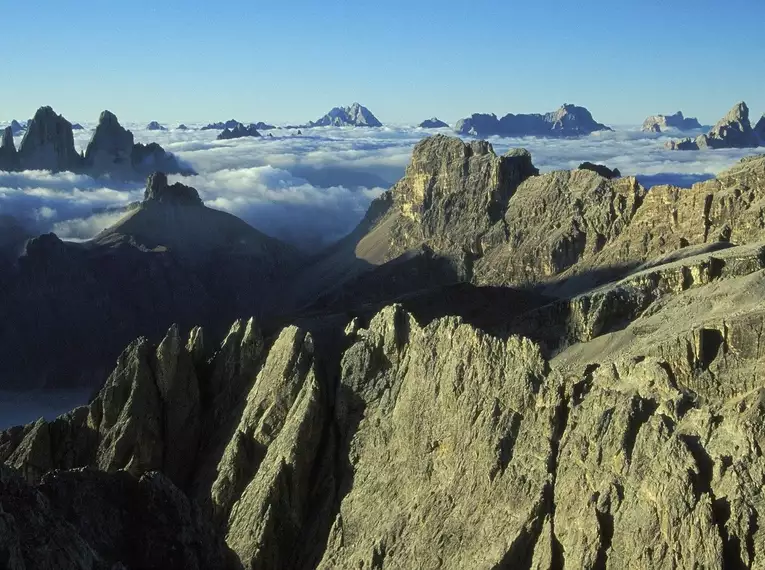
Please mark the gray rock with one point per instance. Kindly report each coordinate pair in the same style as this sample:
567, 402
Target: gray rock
77, 127
433, 123
660, 123
17, 128
48, 144
732, 131
9, 159
567, 121
601, 169
759, 130
181, 127
230, 124
155, 126
354, 116
110, 149
238, 131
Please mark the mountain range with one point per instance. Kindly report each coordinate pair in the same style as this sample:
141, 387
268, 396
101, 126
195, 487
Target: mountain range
498, 368
48, 144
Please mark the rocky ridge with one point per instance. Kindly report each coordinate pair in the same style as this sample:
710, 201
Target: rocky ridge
238, 131
48, 144
660, 123
567, 121
732, 131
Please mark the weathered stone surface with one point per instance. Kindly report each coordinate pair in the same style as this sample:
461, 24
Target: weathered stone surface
453, 192
269, 464
660, 123
567, 121
354, 116
48, 144
449, 435
553, 222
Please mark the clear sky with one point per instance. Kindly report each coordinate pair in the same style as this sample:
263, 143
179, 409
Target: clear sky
292, 60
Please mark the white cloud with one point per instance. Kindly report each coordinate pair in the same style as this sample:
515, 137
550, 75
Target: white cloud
314, 188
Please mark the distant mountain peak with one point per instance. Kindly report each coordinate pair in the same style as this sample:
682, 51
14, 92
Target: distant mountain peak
356, 115
158, 190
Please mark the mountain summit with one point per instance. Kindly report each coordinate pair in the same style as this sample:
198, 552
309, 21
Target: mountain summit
354, 116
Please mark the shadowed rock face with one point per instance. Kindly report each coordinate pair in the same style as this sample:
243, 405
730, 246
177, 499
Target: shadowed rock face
660, 123
9, 159
732, 131
567, 121
48, 144
601, 169
155, 126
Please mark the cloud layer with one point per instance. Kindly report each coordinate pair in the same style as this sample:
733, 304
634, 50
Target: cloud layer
312, 189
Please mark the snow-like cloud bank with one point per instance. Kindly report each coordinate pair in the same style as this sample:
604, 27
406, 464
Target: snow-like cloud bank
313, 188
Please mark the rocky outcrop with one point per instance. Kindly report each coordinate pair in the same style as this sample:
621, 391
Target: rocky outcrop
181, 127
354, 116
17, 128
447, 176
433, 123
48, 144
9, 159
732, 131
230, 124
112, 151
77, 127
759, 130
568, 121
155, 126
238, 132
660, 123
601, 169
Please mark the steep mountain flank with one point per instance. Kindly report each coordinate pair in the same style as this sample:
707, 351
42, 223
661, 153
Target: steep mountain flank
171, 259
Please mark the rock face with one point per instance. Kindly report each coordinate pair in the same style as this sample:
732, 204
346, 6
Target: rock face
433, 123
601, 169
732, 131
17, 128
354, 116
155, 126
169, 259
238, 132
112, 151
660, 123
568, 121
9, 159
759, 130
48, 144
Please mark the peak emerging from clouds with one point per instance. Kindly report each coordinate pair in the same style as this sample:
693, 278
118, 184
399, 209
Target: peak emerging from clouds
354, 116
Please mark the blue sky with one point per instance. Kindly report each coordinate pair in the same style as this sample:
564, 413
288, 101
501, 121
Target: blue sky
291, 61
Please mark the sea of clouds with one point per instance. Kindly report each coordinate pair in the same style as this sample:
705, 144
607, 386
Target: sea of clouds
314, 188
